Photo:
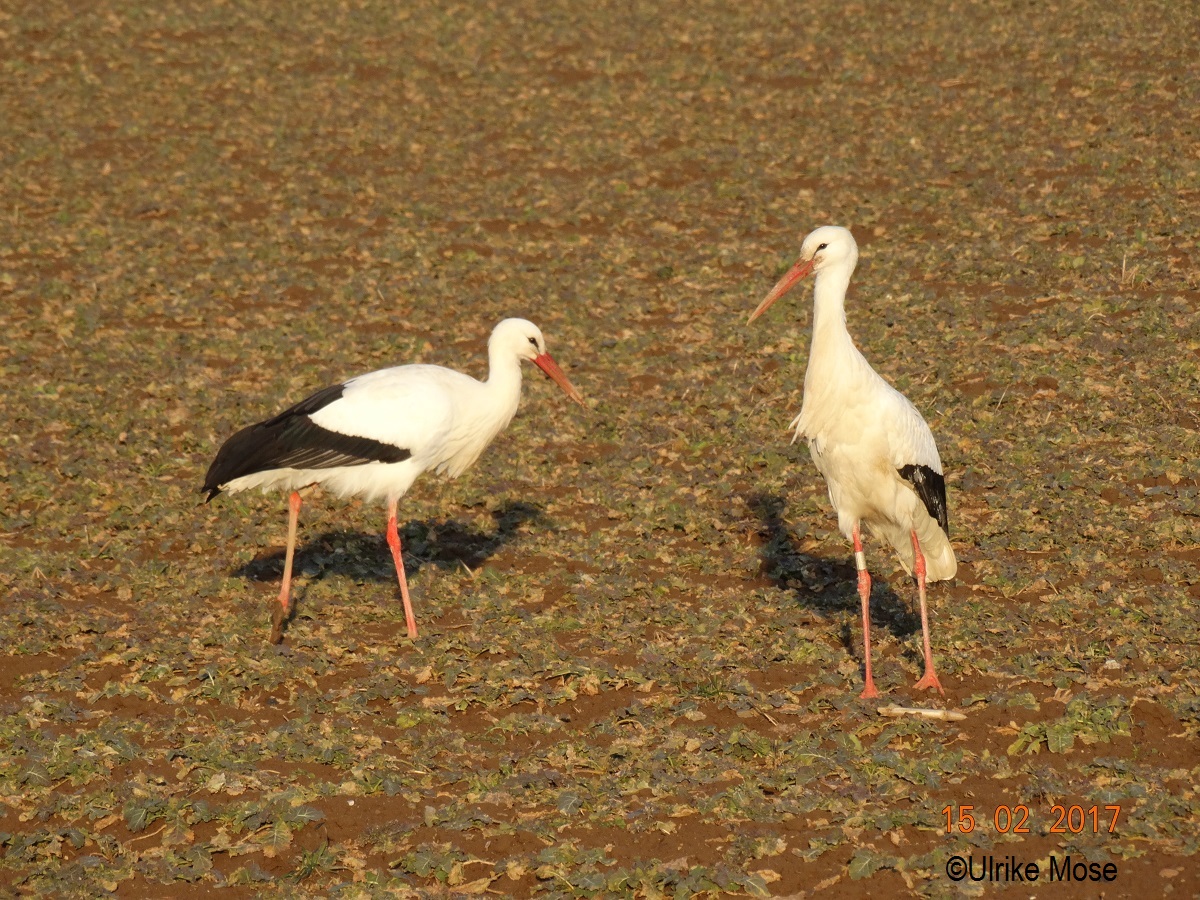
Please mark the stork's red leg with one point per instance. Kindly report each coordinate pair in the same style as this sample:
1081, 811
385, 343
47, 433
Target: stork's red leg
281, 609
864, 593
930, 679
393, 539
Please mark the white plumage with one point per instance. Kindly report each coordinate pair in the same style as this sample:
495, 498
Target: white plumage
443, 418
373, 435
878, 456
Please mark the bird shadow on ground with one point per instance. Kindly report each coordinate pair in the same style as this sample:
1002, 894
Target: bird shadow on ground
365, 556
819, 584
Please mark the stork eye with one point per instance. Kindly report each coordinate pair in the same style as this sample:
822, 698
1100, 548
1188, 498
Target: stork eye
821, 247
533, 341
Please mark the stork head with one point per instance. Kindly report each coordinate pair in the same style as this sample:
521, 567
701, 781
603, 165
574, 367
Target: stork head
828, 247
522, 339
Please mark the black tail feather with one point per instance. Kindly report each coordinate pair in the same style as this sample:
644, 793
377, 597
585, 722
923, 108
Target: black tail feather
931, 488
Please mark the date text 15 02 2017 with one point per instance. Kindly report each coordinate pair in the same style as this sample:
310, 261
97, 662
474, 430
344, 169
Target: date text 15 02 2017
1015, 819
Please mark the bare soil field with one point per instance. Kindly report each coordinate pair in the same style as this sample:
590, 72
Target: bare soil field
640, 656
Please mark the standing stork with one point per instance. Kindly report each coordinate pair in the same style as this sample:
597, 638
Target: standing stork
877, 454
373, 435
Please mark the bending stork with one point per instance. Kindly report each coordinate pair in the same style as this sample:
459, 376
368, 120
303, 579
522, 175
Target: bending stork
373, 435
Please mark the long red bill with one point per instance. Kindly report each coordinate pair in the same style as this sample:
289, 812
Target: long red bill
786, 283
546, 363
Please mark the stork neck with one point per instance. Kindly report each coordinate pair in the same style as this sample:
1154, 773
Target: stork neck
504, 374
829, 304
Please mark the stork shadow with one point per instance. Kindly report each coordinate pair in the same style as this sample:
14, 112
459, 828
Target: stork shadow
365, 556
823, 585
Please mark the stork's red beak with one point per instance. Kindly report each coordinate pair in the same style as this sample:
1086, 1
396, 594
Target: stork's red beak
786, 283
546, 363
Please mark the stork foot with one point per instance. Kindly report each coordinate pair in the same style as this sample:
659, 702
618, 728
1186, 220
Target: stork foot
278, 617
869, 692
930, 681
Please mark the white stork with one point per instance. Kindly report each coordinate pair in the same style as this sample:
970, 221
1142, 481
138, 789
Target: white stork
877, 454
373, 435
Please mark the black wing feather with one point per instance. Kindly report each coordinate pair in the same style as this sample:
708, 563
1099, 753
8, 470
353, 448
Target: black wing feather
931, 488
292, 440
